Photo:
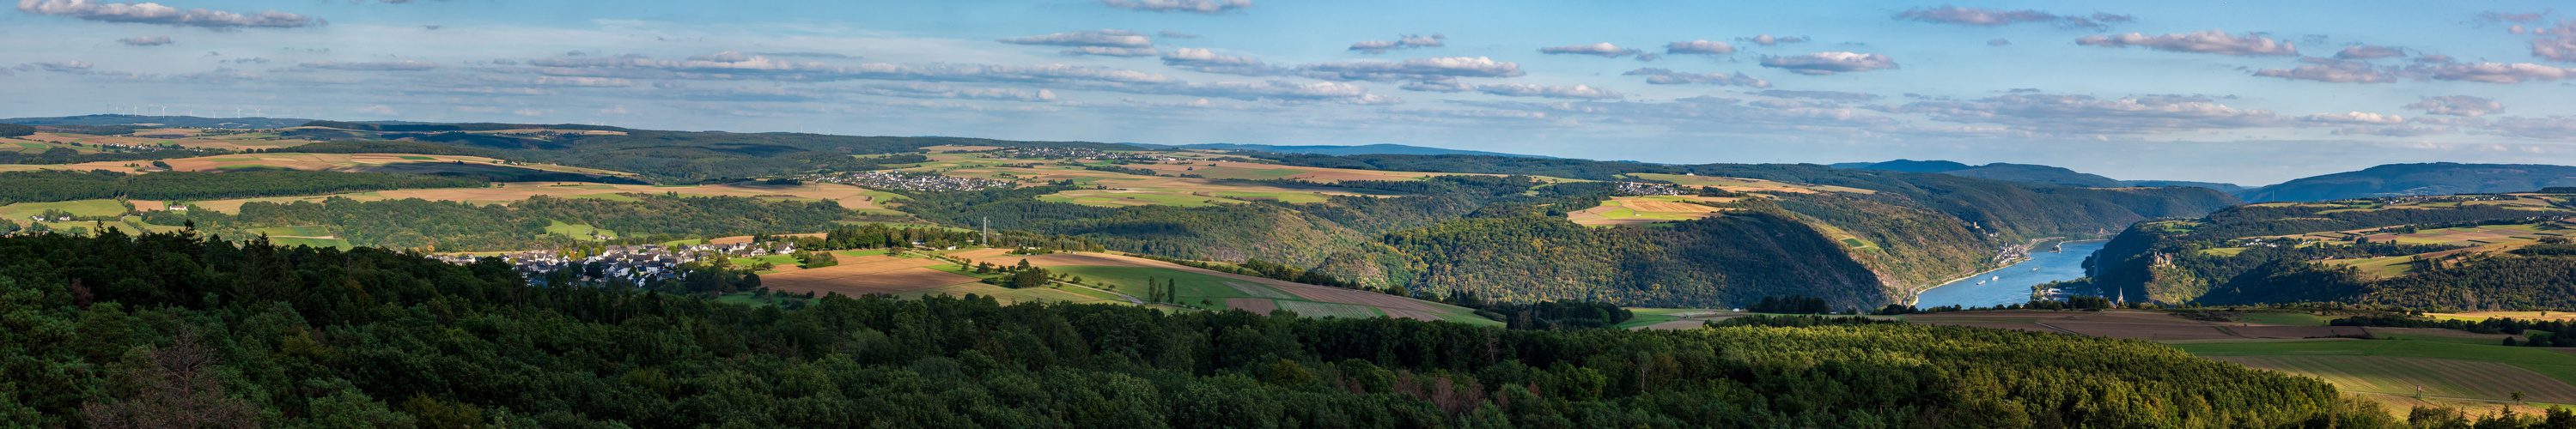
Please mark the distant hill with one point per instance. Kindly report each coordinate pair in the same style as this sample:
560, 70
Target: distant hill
2440, 178
1906, 165
2221, 187
2023, 173
166, 121
1375, 149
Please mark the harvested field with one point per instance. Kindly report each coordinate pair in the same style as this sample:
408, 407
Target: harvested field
1257, 290
959, 148
1735, 184
1254, 171
2402, 375
865, 277
2293, 331
1254, 305
1646, 210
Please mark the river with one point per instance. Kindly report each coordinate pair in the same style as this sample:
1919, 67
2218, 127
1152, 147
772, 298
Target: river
2014, 287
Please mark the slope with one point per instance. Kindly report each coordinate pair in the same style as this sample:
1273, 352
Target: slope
2439, 178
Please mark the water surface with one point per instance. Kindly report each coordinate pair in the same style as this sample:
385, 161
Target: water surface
2014, 287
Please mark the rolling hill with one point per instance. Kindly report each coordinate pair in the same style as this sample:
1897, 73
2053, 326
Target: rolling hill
2468, 251
2439, 178
1374, 149
2023, 173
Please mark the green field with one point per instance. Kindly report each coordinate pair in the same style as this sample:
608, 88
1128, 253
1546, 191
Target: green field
1193, 286
775, 260
580, 231
21, 211
2443, 368
1326, 309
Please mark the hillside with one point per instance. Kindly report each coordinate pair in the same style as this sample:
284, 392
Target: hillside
2229, 188
2022, 173
2475, 251
2440, 178
1388, 149
161, 121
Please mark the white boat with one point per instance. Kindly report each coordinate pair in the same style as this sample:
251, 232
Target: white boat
1995, 278
1981, 282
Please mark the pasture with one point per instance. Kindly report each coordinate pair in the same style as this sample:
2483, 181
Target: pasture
1647, 210
1124, 189
22, 211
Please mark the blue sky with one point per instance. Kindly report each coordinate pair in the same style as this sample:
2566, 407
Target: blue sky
2177, 90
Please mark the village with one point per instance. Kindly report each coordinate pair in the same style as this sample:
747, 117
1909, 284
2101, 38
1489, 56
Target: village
906, 181
634, 264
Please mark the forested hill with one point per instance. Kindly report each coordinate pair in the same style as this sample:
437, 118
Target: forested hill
170, 328
2011, 210
2478, 252
2440, 178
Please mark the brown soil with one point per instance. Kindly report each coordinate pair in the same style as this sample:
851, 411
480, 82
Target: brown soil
1254, 305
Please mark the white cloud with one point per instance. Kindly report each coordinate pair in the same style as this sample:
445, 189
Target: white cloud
1101, 38
932, 90
2553, 128
2369, 52
2079, 114
1549, 91
1824, 63
1195, 6
2499, 72
1412, 69
1112, 52
2211, 42
2457, 105
155, 13
1818, 95
1767, 40
2354, 118
1999, 42
1177, 35
1983, 17
145, 40
533, 112
1407, 42
369, 66
2554, 48
1603, 49
1205, 61
1668, 77
1703, 47
2334, 70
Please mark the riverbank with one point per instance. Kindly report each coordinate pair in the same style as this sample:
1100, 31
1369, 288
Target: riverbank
2011, 284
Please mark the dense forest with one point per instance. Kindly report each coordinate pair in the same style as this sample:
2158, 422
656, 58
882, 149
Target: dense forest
172, 330
2166, 262
62, 185
449, 226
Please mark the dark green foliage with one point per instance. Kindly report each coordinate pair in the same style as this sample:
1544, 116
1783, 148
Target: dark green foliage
58, 156
1720, 261
15, 130
58, 185
96, 130
375, 338
1792, 304
671, 156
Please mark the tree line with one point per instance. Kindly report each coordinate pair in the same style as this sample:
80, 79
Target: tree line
117, 329
63, 185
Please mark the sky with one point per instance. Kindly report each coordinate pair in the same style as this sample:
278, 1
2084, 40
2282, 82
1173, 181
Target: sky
2242, 92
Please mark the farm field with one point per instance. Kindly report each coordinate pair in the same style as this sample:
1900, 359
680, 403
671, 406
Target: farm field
2443, 368
1647, 210
1673, 318
863, 275
2135, 324
1128, 275
1128, 189
181, 137
21, 211
1746, 185
849, 197
359, 162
